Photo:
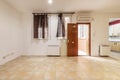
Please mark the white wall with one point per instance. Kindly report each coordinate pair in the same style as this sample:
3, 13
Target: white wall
99, 34
11, 40
99, 29
16, 34
35, 46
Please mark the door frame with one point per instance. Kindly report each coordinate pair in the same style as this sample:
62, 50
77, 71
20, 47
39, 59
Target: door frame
89, 36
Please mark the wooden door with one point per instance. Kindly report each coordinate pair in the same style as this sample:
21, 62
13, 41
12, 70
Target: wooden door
72, 42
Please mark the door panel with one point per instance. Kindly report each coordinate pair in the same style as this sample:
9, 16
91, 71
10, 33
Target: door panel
72, 46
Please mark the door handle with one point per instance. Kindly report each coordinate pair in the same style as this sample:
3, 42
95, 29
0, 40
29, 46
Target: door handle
73, 42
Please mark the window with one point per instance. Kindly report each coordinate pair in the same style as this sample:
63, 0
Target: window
82, 31
51, 31
53, 24
114, 29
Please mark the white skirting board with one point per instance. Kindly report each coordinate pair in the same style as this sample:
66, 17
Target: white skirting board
6, 59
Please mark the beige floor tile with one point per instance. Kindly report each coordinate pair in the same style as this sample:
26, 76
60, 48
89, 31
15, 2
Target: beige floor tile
61, 68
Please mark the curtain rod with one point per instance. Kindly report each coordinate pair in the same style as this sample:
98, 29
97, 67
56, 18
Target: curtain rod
57, 13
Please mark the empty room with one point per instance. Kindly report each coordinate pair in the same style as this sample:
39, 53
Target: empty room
59, 40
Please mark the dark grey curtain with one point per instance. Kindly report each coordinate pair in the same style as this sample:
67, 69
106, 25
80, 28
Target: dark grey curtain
36, 25
40, 21
61, 26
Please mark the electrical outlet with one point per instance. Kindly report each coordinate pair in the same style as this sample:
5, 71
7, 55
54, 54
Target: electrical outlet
4, 57
12, 53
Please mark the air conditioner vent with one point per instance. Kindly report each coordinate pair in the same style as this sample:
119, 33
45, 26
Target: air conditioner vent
84, 18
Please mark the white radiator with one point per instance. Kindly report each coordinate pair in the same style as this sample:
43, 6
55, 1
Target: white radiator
53, 50
104, 50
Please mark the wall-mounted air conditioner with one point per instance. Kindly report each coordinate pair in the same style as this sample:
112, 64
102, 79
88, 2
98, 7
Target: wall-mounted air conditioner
84, 18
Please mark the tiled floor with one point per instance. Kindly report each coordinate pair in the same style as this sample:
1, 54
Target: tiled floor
61, 68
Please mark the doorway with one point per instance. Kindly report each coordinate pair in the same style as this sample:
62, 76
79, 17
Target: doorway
78, 39
83, 39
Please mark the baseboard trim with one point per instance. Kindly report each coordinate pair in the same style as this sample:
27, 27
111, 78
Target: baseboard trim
34, 55
53, 56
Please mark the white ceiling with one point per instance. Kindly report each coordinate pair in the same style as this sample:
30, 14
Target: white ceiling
66, 5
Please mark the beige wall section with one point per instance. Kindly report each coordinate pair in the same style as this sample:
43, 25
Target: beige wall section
32, 46
63, 50
10, 33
